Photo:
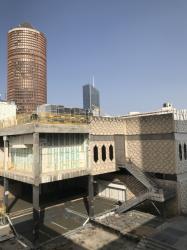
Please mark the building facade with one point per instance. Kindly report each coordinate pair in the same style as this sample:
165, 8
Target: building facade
27, 69
91, 100
150, 147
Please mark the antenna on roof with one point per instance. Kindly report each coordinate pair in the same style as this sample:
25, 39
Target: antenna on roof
93, 83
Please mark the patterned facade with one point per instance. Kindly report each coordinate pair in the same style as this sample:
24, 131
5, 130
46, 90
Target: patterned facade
27, 70
155, 142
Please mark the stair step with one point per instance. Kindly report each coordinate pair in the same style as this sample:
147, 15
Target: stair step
132, 202
140, 175
151, 244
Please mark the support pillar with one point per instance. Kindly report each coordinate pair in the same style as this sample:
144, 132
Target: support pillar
163, 210
36, 189
90, 196
6, 192
5, 167
36, 159
36, 214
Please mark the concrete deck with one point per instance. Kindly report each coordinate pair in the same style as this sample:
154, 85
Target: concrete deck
28, 177
30, 128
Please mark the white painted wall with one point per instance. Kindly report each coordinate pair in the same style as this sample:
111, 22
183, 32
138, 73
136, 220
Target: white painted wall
112, 190
7, 111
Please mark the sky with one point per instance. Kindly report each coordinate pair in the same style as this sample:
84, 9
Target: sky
136, 50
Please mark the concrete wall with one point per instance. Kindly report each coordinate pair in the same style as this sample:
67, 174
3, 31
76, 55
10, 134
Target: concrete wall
181, 164
153, 155
7, 114
102, 131
150, 124
102, 166
182, 192
150, 143
149, 140
107, 126
120, 148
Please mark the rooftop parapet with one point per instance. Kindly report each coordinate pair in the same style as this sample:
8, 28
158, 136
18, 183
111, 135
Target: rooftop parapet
45, 118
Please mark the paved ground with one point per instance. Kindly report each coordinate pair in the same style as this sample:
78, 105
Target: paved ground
174, 233
137, 224
134, 223
93, 238
59, 219
89, 238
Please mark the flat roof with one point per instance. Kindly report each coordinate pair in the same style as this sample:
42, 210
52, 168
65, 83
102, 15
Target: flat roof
30, 128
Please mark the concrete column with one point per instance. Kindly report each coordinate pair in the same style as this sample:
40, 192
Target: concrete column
6, 192
91, 196
36, 214
36, 159
5, 161
163, 210
5, 167
36, 188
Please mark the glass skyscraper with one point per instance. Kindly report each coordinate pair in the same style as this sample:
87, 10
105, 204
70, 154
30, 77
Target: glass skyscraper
91, 100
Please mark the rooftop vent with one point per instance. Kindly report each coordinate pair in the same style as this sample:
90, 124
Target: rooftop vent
167, 105
26, 25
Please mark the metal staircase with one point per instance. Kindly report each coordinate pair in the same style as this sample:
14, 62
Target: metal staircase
151, 192
133, 202
139, 174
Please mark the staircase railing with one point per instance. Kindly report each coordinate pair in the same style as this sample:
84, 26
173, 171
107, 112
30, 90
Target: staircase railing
133, 202
139, 174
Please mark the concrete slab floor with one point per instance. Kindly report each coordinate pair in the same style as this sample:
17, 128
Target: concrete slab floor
135, 223
174, 233
88, 238
60, 218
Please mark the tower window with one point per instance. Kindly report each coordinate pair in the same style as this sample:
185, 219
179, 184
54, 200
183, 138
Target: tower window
185, 151
95, 153
180, 152
103, 150
111, 153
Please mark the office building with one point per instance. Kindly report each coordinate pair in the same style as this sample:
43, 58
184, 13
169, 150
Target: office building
27, 81
91, 99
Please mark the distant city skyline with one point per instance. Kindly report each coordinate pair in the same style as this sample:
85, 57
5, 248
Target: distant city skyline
137, 50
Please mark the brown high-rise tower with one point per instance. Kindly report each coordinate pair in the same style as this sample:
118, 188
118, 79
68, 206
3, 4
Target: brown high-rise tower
27, 80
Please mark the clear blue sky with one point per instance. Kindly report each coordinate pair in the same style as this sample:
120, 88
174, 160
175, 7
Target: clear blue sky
136, 49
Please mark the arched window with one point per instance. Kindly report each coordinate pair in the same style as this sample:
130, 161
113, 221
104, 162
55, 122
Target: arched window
95, 153
103, 150
185, 151
111, 153
180, 152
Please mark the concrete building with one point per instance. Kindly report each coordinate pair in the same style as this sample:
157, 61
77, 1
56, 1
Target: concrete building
91, 100
7, 113
128, 159
27, 67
